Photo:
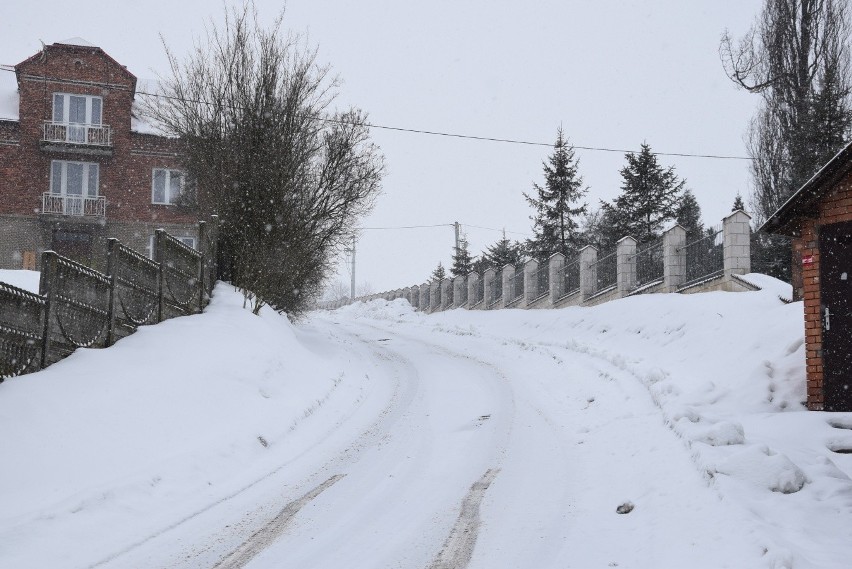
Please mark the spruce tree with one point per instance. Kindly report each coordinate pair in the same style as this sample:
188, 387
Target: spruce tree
650, 196
462, 261
738, 204
557, 203
688, 214
439, 273
502, 253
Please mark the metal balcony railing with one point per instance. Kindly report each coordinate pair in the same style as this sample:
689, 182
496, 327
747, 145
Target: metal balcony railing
57, 204
74, 133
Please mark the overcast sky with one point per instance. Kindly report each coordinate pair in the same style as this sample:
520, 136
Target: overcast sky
612, 73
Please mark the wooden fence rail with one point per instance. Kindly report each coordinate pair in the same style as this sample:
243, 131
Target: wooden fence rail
79, 307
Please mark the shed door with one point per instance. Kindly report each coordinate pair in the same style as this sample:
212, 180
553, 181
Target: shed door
836, 294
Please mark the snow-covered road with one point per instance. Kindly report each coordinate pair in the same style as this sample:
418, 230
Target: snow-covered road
375, 437
469, 453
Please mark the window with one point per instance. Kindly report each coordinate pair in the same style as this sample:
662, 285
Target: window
77, 109
166, 186
78, 179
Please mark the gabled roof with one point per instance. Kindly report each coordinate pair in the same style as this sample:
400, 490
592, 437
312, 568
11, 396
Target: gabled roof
804, 202
77, 44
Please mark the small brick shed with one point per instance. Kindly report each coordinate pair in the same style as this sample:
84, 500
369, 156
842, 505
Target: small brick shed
819, 219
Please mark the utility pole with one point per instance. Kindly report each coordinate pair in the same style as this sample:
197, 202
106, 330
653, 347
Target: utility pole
352, 284
457, 227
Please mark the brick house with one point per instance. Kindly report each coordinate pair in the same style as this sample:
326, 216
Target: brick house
819, 219
77, 165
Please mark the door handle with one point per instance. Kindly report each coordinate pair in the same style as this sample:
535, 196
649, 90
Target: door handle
827, 319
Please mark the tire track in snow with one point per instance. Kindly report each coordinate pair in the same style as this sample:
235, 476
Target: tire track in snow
458, 548
263, 537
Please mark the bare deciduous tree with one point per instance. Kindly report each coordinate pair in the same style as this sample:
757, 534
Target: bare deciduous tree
288, 177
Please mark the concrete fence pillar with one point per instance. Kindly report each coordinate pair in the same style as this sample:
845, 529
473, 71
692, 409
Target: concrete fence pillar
531, 291
507, 276
459, 290
414, 296
555, 266
472, 289
625, 262
737, 244
674, 258
588, 271
447, 298
435, 296
424, 297
490, 280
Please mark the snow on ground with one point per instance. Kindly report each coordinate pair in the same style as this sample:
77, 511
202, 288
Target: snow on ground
376, 436
27, 280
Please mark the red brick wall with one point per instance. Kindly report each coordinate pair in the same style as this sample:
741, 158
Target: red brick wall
125, 177
834, 208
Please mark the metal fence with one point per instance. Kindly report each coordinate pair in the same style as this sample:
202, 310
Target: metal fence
704, 255
496, 288
426, 297
517, 285
570, 275
649, 263
607, 271
480, 290
540, 282
79, 307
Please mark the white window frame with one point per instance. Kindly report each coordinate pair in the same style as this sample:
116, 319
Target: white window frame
87, 192
66, 108
169, 199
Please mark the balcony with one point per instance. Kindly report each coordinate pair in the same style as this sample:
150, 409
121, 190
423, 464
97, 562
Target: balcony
77, 138
78, 206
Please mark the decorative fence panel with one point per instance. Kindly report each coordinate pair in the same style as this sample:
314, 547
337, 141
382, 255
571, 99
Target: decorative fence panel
704, 256
21, 330
649, 264
135, 289
77, 313
462, 299
451, 293
79, 307
181, 286
480, 290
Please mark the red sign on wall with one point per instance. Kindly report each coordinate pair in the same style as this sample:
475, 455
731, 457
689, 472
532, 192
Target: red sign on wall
808, 260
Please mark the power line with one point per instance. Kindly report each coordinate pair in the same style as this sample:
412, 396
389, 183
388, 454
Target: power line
440, 133
408, 226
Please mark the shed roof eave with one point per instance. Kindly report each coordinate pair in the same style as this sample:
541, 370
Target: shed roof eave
803, 199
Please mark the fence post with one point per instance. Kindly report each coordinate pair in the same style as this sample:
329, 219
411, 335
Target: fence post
202, 273
555, 266
158, 258
588, 271
425, 300
625, 259
508, 275
213, 239
414, 296
674, 258
112, 243
531, 291
472, 288
446, 285
488, 290
737, 245
45, 289
435, 299
458, 286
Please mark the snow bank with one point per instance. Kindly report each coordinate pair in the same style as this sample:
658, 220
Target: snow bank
27, 280
164, 422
